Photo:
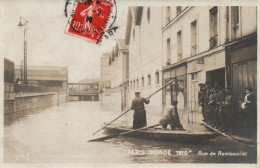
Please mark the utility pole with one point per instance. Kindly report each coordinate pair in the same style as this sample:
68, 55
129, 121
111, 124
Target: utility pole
24, 25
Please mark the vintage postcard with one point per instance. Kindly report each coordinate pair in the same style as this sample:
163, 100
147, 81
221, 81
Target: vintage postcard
123, 83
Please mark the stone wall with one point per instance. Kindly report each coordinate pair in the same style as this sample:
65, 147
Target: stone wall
24, 102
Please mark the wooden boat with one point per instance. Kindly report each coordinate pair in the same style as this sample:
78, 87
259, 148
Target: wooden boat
235, 137
164, 135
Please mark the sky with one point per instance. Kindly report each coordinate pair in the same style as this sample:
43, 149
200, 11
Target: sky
47, 44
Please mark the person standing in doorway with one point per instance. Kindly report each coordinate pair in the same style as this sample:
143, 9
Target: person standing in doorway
228, 115
212, 107
201, 95
249, 106
206, 101
139, 118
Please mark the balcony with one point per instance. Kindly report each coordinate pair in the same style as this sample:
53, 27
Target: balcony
213, 41
168, 61
179, 57
168, 18
193, 50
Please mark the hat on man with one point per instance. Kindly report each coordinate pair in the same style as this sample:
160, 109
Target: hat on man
137, 92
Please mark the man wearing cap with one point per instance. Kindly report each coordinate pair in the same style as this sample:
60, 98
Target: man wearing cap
139, 119
206, 100
201, 95
212, 107
228, 115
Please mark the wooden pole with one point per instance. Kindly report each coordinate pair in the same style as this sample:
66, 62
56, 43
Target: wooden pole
116, 135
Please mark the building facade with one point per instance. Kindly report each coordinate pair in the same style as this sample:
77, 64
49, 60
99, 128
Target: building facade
50, 76
241, 51
144, 37
84, 90
105, 80
195, 51
119, 75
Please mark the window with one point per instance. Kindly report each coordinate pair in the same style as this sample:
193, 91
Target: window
157, 79
194, 76
213, 27
148, 15
178, 10
235, 21
131, 86
235, 14
142, 81
168, 14
194, 38
137, 83
179, 46
168, 51
149, 80
134, 84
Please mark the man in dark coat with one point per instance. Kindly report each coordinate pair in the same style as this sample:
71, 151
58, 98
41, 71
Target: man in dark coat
212, 107
139, 111
202, 94
228, 115
220, 98
206, 101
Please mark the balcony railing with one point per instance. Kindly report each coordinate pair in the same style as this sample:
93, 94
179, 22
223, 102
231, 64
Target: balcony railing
179, 56
168, 18
194, 50
168, 61
213, 41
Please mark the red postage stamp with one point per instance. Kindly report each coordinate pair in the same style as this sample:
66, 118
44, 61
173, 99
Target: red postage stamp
89, 19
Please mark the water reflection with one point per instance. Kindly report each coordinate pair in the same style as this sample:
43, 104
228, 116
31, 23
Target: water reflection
59, 135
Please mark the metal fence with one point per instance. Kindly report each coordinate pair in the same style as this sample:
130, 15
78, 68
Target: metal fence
36, 89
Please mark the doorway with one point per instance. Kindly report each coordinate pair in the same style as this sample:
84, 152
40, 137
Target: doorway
216, 78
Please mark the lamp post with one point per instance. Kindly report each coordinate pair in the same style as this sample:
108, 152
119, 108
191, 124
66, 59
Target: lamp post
24, 25
22, 70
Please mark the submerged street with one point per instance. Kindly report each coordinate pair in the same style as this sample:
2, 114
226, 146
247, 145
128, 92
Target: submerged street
59, 135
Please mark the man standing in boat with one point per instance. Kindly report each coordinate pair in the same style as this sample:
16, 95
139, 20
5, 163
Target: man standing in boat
139, 119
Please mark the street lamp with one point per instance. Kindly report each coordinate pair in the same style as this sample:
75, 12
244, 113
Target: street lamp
24, 25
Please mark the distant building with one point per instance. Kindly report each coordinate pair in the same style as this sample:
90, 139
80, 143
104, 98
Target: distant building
119, 75
207, 44
144, 37
87, 89
50, 76
105, 80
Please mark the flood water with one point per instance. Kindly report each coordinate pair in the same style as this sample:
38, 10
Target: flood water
59, 135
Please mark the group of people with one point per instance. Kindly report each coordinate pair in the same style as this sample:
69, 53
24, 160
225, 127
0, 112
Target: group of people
218, 107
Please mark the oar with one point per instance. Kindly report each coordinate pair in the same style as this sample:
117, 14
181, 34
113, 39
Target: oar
116, 135
130, 108
111, 122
